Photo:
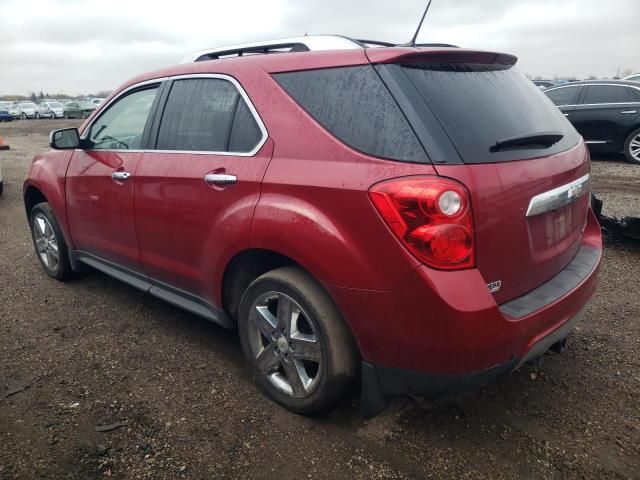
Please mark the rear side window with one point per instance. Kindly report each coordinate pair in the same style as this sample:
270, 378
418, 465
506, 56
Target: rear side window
207, 115
481, 106
354, 105
564, 95
606, 94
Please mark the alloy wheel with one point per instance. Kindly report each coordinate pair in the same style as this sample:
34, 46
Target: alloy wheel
285, 344
46, 242
634, 147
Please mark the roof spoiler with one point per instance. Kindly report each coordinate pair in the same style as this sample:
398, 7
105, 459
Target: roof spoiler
439, 55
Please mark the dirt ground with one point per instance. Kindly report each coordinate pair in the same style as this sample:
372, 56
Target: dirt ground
178, 403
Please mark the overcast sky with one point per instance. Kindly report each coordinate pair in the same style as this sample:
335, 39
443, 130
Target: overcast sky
81, 46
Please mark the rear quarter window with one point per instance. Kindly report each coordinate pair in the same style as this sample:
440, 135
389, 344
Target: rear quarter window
564, 95
354, 105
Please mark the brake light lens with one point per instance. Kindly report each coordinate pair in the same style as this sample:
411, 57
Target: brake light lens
432, 218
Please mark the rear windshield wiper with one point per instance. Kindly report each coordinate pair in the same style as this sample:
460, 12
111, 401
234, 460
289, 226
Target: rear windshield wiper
531, 140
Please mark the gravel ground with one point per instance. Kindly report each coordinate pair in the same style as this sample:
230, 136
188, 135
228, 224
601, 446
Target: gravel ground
176, 401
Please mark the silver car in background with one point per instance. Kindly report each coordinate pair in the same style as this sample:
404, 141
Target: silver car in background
27, 110
50, 110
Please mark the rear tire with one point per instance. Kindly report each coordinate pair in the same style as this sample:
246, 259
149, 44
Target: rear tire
632, 147
298, 346
48, 241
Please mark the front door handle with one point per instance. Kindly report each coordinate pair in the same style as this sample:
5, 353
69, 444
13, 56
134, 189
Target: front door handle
629, 112
120, 176
220, 179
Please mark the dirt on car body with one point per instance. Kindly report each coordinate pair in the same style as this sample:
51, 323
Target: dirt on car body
98, 380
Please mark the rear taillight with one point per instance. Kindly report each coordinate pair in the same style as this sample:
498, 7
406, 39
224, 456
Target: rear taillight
431, 216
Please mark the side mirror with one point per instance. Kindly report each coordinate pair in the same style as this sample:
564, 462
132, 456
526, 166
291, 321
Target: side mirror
64, 139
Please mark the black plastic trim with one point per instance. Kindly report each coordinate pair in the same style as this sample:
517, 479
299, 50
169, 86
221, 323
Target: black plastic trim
569, 278
180, 298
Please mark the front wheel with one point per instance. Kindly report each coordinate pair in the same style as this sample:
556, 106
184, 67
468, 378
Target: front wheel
49, 242
24, 116
37, 115
298, 346
632, 147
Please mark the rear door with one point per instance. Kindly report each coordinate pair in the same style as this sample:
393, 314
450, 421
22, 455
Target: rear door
605, 114
100, 180
198, 183
472, 109
565, 98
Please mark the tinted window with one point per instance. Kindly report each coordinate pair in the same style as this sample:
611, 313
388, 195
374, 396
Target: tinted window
606, 94
480, 105
564, 95
200, 114
355, 106
245, 133
122, 125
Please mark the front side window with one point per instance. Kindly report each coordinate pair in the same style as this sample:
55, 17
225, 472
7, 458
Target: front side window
563, 95
597, 94
207, 115
122, 125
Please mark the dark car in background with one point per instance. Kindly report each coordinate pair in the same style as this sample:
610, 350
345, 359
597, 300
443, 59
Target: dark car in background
605, 112
5, 115
79, 109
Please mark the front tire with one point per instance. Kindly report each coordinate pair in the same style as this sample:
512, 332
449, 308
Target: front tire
37, 116
298, 346
51, 248
632, 147
23, 116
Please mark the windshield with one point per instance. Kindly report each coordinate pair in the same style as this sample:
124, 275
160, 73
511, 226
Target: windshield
27, 105
480, 105
55, 105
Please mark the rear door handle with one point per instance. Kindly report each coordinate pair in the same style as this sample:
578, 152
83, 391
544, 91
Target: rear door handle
566, 114
220, 179
629, 112
120, 176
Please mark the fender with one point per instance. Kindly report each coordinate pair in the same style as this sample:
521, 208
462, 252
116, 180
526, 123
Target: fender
47, 174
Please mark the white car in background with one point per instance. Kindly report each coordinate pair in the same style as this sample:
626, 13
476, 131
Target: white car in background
27, 110
97, 101
633, 78
50, 110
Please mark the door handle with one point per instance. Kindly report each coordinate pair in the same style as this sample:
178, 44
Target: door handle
120, 176
629, 112
566, 114
220, 179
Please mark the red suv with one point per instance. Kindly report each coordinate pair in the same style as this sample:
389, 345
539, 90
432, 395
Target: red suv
418, 218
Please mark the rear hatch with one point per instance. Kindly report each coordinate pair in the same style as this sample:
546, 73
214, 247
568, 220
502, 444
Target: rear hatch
483, 123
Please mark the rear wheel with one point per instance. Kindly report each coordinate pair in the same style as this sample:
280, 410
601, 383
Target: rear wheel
632, 147
24, 116
299, 348
49, 243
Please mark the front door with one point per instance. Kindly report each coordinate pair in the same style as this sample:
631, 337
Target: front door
101, 180
195, 193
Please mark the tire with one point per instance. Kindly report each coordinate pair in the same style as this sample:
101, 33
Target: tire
23, 116
84, 115
37, 116
45, 225
632, 147
1, 188
320, 335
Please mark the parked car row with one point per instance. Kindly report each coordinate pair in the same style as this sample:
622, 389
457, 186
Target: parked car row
605, 112
47, 109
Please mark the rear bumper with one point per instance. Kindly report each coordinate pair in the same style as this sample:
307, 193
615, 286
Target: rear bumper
440, 332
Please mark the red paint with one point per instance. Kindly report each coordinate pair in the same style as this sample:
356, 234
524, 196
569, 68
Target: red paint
305, 196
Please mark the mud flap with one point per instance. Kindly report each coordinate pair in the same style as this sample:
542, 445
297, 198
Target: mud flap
372, 400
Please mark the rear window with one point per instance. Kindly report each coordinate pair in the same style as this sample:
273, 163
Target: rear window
480, 105
564, 96
354, 105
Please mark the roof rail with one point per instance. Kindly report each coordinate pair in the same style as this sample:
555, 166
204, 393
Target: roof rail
293, 44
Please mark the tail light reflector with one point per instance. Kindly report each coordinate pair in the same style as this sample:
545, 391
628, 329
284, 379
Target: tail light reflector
432, 218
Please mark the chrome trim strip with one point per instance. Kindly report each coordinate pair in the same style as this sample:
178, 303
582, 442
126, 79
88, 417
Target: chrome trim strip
595, 141
559, 197
243, 94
